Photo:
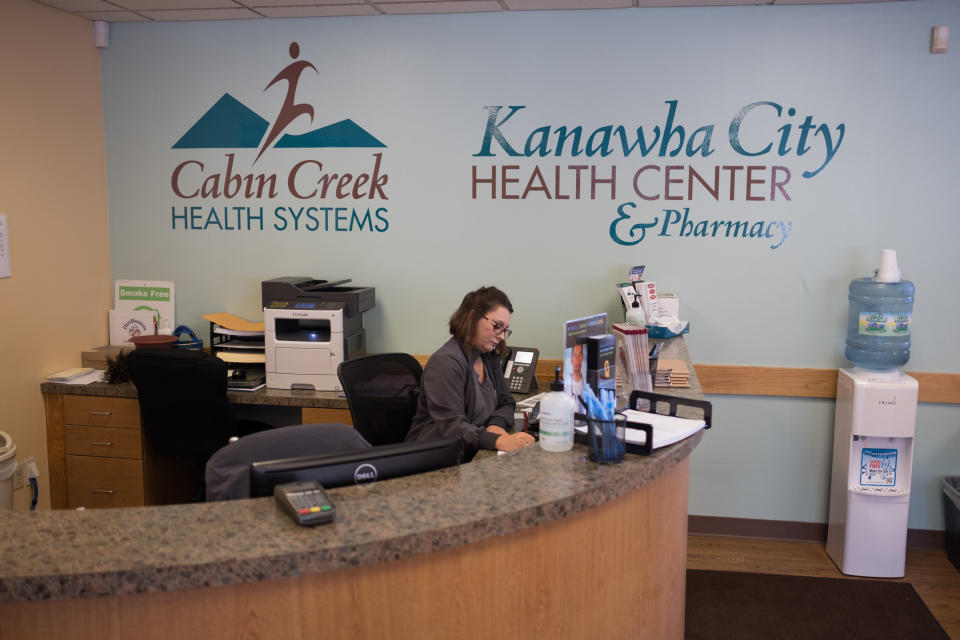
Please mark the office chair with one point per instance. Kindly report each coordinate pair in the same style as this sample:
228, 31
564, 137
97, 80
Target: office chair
228, 470
184, 411
382, 392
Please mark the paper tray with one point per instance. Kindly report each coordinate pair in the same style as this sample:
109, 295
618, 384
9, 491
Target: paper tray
656, 400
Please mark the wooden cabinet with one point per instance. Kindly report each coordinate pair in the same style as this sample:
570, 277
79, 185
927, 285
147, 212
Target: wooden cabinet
95, 451
104, 482
310, 415
98, 456
103, 452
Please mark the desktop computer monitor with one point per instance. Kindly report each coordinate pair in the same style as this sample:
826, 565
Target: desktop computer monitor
355, 467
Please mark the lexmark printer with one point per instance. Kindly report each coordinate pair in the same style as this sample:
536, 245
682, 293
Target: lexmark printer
310, 327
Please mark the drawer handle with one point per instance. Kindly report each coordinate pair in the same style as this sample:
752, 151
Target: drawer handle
100, 413
101, 444
106, 491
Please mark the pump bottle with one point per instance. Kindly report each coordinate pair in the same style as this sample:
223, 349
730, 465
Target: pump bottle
556, 417
635, 312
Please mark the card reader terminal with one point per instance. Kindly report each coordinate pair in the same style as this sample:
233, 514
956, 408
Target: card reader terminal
306, 502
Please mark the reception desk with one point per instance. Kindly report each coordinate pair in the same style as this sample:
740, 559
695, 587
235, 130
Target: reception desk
524, 545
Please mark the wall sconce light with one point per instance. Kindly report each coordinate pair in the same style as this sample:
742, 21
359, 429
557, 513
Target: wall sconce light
940, 39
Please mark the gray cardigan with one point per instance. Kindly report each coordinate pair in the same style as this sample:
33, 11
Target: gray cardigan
449, 404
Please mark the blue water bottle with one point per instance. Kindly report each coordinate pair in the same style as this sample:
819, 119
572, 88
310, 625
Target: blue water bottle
881, 310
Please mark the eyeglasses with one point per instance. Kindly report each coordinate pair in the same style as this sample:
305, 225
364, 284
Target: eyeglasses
499, 328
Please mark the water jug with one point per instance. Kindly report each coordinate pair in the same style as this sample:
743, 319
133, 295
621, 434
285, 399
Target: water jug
881, 310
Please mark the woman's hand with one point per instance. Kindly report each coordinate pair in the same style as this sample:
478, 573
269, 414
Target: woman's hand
513, 441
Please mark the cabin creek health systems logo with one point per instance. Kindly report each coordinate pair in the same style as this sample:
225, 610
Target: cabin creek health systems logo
216, 189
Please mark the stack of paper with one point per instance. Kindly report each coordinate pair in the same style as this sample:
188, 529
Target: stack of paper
672, 373
633, 361
235, 339
76, 375
666, 429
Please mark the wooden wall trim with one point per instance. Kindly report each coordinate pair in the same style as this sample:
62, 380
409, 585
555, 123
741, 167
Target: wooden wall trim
790, 382
790, 530
808, 383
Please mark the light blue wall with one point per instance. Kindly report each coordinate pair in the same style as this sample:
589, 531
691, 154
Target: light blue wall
421, 84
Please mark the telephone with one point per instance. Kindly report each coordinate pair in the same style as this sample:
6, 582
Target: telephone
520, 369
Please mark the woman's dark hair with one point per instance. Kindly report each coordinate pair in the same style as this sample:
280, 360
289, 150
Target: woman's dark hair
475, 305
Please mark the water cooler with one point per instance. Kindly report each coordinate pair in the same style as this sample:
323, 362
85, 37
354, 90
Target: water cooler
872, 463
874, 428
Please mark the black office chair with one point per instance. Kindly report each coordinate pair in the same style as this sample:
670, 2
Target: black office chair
185, 413
228, 470
382, 392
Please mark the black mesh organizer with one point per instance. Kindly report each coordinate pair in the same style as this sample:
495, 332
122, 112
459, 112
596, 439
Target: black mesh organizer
656, 401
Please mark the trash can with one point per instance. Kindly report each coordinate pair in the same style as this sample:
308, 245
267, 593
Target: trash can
8, 464
951, 506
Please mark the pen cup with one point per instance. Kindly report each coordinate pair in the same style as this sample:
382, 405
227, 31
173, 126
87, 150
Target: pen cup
605, 439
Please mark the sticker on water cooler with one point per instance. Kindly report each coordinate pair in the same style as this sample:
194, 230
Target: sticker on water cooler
878, 468
878, 323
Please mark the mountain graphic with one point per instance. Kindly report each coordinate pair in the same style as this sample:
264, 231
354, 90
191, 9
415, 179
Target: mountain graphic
345, 133
229, 124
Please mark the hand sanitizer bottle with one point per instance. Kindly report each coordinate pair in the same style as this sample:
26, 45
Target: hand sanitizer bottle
635, 313
556, 418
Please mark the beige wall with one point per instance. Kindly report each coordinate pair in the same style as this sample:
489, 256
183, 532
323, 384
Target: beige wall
53, 191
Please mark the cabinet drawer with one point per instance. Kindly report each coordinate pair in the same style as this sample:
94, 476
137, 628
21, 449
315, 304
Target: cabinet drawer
104, 482
108, 442
310, 415
101, 412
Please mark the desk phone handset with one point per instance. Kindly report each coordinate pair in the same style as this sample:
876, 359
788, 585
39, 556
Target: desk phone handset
520, 369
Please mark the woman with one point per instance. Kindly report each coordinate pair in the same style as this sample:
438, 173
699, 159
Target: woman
463, 392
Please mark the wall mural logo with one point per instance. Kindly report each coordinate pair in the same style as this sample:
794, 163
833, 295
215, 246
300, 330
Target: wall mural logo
325, 199
657, 186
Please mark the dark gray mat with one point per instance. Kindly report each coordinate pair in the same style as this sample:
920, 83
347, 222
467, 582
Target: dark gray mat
728, 605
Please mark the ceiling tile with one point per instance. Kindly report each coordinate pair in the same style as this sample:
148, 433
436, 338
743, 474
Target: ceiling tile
320, 11
79, 5
531, 5
258, 4
168, 5
113, 16
701, 3
443, 6
183, 15
826, 1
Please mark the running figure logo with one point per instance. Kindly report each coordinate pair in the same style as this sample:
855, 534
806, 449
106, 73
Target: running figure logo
290, 111
230, 124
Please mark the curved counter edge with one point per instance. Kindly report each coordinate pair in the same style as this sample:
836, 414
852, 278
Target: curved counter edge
199, 545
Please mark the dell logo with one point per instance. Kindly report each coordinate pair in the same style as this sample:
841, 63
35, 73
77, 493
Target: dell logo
364, 473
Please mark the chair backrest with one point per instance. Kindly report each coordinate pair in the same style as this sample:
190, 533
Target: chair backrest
228, 470
183, 401
382, 392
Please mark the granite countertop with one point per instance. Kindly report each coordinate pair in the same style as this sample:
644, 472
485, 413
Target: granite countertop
265, 396
673, 348
102, 552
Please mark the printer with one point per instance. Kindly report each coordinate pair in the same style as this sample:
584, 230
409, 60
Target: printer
310, 327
